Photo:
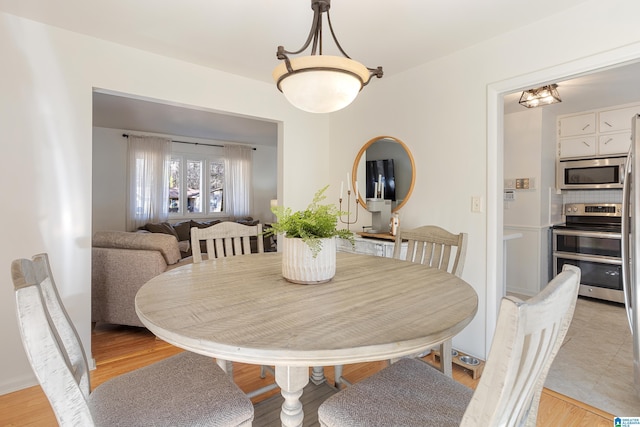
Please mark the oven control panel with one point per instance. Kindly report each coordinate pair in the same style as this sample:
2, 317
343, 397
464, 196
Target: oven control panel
593, 209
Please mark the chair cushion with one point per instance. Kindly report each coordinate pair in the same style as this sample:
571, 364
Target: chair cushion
186, 389
407, 393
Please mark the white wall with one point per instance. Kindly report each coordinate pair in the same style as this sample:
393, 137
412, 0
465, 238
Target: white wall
523, 159
48, 76
109, 178
524, 149
440, 110
110, 171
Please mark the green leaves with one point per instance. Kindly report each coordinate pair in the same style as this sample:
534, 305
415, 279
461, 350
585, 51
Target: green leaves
316, 222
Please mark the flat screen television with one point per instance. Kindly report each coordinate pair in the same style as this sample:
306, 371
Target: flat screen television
381, 169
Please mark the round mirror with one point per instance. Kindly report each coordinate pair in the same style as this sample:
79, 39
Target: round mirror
386, 167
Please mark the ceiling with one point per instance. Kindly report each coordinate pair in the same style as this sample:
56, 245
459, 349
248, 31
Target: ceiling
241, 37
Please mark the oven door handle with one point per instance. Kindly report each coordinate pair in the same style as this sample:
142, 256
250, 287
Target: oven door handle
625, 249
588, 258
596, 234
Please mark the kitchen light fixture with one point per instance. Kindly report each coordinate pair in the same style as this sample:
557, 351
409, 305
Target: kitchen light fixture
544, 95
320, 83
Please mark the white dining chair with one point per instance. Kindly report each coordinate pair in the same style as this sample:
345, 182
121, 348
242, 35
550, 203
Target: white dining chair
186, 389
432, 246
225, 239
436, 247
412, 393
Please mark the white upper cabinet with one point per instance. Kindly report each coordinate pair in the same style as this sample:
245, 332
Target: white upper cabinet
583, 124
599, 133
614, 143
617, 120
584, 146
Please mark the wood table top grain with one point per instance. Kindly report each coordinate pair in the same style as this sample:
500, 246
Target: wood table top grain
242, 309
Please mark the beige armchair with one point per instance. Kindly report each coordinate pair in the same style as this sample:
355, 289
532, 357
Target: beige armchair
121, 263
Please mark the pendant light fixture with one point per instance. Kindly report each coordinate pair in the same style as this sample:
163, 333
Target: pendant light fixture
544, 95
320, 83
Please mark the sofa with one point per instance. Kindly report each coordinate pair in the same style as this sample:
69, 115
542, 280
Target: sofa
121, 263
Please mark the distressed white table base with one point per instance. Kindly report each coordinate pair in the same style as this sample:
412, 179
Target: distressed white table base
292, 380
226, 366
317, 375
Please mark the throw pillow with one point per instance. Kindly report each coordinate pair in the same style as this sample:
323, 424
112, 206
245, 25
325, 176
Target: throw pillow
162, 227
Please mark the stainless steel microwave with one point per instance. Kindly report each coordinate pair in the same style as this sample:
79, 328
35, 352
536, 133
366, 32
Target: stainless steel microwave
590, 174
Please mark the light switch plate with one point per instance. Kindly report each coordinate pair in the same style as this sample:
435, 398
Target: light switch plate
476, 204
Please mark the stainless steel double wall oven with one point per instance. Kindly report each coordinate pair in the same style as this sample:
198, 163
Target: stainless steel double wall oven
591, 240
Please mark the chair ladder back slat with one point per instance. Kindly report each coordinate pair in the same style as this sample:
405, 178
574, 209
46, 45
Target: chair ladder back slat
62, 324
423, 253
437, 257
260, 239
210, 245
445, 258
195, 245
227, 242
243, 245
411, 248
46, 351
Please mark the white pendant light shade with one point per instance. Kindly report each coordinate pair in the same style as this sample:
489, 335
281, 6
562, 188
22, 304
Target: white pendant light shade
321, 83
320, 91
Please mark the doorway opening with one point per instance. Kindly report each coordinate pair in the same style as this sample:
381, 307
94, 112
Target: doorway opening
497, 94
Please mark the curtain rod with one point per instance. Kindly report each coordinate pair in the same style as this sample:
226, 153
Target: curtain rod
126, 135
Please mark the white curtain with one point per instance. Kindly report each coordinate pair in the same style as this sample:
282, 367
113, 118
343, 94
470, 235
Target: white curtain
238, 186
148, 192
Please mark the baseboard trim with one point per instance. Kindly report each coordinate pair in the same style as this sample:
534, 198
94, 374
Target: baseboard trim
18, 384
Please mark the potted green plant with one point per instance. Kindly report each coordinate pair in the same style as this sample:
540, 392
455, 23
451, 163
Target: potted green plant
308, 246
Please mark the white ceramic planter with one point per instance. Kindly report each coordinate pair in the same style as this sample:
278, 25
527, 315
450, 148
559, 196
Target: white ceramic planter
299, 265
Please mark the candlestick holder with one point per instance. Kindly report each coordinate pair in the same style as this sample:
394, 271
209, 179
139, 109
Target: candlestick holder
348, 220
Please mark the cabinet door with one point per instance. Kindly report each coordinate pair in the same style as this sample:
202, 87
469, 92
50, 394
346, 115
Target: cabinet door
614, 143
578, 147
583, 124
617, 120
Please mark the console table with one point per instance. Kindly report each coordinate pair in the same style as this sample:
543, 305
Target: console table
382, 247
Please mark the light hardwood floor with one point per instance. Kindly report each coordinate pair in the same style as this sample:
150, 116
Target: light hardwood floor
120, 349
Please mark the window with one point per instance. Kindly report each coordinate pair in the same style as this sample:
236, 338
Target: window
216, 184
188, 180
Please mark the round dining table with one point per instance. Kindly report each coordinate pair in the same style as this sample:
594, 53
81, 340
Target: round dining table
241, 309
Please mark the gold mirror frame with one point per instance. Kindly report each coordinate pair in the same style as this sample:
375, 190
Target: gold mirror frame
363, 150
